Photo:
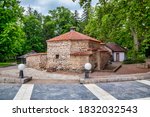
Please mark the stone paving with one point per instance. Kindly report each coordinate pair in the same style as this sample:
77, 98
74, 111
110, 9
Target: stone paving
8, 91
104, 91
126, 90
61, 92
8, 68
37, 74
43, 76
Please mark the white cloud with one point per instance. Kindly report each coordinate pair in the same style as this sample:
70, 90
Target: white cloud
43, 2
44, 6
38, 8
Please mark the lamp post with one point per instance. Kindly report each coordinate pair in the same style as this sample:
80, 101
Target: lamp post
87, 68
21, 67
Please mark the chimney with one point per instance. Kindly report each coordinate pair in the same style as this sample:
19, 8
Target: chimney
72, 29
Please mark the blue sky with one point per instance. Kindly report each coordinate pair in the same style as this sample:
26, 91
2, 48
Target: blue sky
44, 5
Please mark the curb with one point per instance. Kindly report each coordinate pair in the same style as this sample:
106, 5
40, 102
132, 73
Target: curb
115, 78
15, 80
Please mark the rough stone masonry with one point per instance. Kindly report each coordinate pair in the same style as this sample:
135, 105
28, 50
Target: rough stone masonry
70, 51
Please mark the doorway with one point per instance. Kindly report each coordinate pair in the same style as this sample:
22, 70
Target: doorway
117, 57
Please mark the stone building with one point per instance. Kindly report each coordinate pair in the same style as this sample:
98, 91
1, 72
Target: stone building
70, 51
117, 52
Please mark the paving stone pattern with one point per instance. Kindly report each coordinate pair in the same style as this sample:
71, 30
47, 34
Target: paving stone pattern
61, 92
126, 90
119, 90
8, 91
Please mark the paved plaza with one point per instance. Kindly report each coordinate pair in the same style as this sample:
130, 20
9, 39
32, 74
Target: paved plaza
128, 90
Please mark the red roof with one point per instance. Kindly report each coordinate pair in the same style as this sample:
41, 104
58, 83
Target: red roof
72, 35
115, 47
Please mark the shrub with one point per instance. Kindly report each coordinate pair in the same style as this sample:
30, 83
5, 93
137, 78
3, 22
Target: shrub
128, 61
133, 61
139, 60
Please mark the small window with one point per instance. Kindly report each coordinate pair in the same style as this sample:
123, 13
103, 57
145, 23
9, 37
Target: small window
57, 56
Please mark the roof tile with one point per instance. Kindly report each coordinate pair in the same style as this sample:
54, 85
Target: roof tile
72, 35
115, 47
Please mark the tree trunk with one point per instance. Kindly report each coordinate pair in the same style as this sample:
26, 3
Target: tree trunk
135, 38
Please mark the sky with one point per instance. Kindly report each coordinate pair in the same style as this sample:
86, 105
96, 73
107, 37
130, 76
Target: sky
43, 6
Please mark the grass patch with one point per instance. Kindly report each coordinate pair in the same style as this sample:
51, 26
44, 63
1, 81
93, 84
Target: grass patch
5, 64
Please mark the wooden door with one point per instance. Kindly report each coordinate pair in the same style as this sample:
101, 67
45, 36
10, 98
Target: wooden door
117, 57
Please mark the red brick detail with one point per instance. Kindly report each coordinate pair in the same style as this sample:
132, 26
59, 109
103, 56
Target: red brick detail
81, 53
37, 54
92, 49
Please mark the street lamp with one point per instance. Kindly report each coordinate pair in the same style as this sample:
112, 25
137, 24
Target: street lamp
21, 67
87, 68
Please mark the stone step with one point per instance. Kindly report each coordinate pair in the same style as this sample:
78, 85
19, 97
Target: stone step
114, 78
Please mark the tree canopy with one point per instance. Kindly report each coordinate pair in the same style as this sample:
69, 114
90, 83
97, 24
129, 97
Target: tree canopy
34, 31
11, 34
58, 21
126, 22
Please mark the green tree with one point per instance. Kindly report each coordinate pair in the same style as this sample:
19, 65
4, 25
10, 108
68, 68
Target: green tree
77, 20
11, 34
34, 31
122, 21
49, 27
58, 22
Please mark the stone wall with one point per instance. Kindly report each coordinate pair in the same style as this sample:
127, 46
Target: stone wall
99, 58
93, 44
77, 62
37, 61
58, 54
79, 46
93, 60
104, 58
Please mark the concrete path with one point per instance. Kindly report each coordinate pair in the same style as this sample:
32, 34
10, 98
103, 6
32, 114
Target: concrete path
8, 68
